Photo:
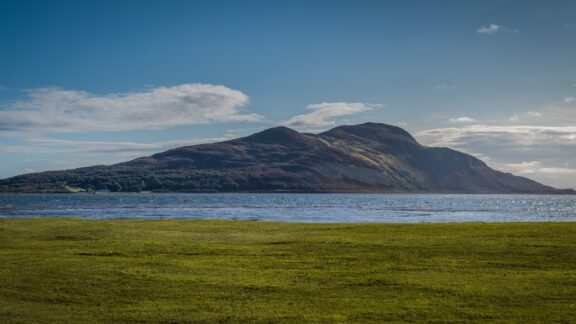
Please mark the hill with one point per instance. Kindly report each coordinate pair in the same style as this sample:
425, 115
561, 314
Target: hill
369, 157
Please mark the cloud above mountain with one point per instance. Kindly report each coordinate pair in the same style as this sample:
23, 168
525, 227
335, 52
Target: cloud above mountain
324, 114
52, 109
542, 153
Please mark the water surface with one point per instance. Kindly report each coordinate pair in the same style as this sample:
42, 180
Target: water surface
396, 208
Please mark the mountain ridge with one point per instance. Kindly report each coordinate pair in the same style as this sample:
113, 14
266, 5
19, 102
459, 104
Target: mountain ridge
369, 157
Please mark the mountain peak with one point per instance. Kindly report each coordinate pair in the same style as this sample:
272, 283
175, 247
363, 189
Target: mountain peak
374, 131
275, 135
369, 157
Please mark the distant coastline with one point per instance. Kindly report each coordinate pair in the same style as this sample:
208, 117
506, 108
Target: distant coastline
364, 158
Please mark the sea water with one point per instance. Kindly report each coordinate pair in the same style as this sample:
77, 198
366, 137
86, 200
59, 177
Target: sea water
288, 207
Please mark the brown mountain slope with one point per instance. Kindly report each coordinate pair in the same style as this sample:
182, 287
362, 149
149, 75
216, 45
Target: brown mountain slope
363, 158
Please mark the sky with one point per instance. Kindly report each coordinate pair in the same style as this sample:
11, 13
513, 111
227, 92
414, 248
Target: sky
101, 82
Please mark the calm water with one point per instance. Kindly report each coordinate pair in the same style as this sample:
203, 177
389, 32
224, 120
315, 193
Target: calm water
295, 207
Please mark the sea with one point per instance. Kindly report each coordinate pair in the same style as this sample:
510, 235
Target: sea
291, 207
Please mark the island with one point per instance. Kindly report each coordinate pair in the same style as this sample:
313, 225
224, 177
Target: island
370, 157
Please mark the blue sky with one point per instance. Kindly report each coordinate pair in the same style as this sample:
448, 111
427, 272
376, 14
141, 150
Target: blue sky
98, 82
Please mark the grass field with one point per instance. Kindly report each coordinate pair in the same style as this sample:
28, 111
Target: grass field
70, 270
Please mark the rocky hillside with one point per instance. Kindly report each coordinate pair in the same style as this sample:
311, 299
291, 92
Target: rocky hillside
363, 158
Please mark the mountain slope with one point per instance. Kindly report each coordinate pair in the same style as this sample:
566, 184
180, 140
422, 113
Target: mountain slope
363, 158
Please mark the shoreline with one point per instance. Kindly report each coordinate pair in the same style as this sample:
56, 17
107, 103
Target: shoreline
561, 193
249, 221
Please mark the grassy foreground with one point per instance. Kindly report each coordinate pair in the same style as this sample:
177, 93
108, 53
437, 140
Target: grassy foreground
70, 270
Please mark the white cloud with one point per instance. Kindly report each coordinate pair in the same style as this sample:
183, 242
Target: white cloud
535, 114
509, 147
518, 135
57, 154
569, 99
402, 124
532, 114
122, 148
493, 29
535, 167
323, 114
462, 120
50, 110
560, 177
445, 86
490, 29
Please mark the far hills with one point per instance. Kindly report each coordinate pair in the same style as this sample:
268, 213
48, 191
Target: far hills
369, 157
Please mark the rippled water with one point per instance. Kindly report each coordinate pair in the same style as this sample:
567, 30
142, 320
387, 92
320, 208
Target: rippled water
295, 207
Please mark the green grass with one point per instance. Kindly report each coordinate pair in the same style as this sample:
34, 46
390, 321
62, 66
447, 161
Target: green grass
70, 270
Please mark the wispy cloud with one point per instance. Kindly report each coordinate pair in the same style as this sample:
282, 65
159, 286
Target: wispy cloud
445, 86
493, 29
523, 116
490, 29
324, 114
508, 148
51, 110
535, 167
462, 120
122, 148
518, 135
534, 114
57, 154
570, 99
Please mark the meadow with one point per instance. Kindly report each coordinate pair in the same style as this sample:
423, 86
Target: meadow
178, 271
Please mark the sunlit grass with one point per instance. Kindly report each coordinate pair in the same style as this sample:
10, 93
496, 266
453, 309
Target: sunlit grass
69, 270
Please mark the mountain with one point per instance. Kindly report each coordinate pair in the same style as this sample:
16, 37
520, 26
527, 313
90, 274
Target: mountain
369, 157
